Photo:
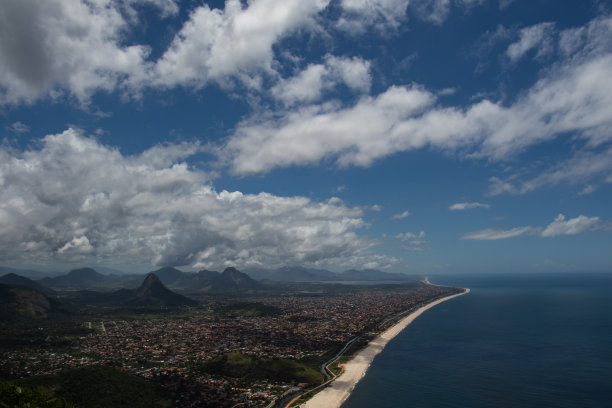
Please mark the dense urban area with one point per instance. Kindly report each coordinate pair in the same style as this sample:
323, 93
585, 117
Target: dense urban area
250, 352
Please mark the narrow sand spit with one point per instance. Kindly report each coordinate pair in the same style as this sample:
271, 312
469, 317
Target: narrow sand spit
335, 394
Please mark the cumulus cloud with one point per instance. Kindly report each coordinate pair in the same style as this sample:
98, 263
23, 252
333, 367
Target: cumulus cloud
435, 11
383, 15
574, 96
412, 241
467, 206
357, 135
560, 226
77, 200
77, 48
49, 47
401, 215
309, 84
386, 16
538, 37
18, 127
215, 44
578, 225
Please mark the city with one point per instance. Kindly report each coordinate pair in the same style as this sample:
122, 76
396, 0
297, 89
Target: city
173, 351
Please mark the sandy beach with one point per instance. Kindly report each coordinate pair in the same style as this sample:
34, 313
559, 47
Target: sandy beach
335, 394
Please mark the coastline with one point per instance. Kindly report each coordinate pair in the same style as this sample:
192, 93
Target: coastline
339, 390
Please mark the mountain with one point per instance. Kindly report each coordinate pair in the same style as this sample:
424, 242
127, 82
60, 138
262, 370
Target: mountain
301, 274
109, 271
171, 276
19, 302
233, 279
373, 275
29, 273
204, 278
293, 274
77, 278
153, 292
14, 279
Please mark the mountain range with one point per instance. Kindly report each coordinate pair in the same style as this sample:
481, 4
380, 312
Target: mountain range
301, 274
207, 281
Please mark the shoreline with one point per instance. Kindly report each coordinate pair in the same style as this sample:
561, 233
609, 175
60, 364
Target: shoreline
334, 395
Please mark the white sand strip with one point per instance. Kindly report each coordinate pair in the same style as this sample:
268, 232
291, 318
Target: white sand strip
338, 391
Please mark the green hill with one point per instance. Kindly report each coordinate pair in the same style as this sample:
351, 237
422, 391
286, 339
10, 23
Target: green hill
14, 396
99, 387
14, 279
20, 302
252, 368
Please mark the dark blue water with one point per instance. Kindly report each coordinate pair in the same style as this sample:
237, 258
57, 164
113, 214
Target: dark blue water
514, 341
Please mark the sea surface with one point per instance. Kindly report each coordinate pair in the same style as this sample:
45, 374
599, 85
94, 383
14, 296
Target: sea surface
514, 341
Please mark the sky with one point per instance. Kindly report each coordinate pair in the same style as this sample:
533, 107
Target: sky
414, 136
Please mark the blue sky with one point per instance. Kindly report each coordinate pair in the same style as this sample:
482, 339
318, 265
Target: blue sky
422, 136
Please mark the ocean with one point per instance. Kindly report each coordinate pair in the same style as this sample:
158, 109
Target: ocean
513, 341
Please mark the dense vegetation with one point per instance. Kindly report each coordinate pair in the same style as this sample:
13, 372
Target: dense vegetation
14, 396
19, 302
253, 368
251, 309
99, 387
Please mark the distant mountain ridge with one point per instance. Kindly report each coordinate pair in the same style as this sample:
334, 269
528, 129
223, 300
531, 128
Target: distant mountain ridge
151, 293
77, 278
28, 273
231, 279
301, 274
14, 279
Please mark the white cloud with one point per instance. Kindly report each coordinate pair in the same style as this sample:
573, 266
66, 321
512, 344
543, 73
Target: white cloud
387, 16
573, 96
467, 206
215, 44
578, 225
383, 15
583, 166
19, 127
166, 7
78, 246
309, 84
56, 48
306, 86
408, 236
53, 46
412, 242
401, 215
539, 37
587, 190
77, 200
495, 234
435, 11
357, 135
560, 226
